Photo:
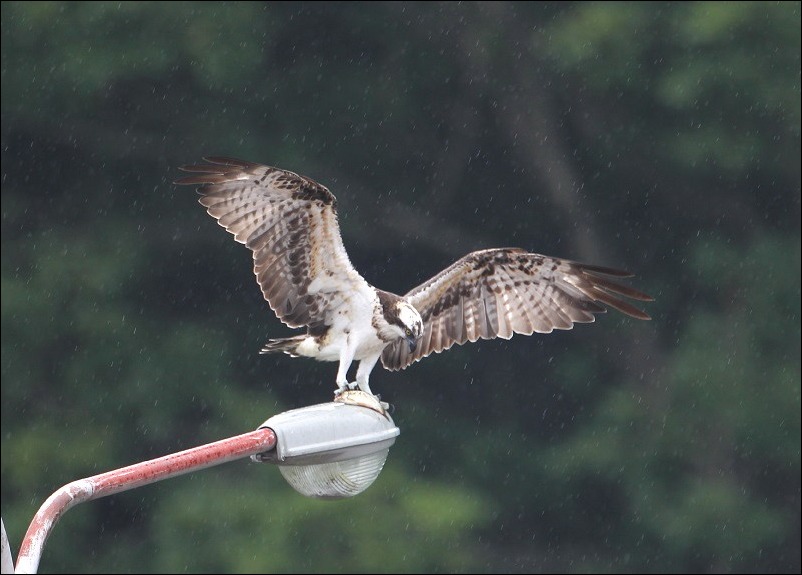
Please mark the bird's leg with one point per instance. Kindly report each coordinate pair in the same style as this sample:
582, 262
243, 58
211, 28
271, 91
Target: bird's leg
346, 357
362, 376
363, 373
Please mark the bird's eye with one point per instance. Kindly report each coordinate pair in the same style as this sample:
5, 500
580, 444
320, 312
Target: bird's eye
408, 331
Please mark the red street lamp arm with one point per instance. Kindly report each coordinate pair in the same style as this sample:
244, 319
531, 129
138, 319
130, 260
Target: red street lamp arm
137, 475
328, 451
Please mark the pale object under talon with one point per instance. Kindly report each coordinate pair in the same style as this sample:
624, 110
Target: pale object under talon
358, 397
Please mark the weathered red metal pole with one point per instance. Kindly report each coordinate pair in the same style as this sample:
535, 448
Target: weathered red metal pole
130, 477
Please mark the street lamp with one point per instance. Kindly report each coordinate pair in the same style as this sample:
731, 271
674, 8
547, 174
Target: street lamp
332, 450
329, 451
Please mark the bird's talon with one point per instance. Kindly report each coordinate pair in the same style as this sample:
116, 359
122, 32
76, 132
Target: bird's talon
345, 387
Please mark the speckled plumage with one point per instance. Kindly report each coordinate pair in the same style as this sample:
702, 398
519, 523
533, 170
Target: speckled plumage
290, 224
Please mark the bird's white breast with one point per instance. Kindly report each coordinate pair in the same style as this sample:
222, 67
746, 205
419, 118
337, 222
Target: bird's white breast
352, 323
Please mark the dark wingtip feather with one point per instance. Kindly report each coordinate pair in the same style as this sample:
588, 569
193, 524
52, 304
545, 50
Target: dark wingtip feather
613, 272
617, 288
632, 311
607, 290
212, 173
598, 293
227, 161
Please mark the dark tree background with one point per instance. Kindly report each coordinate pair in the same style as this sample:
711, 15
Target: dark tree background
660, 138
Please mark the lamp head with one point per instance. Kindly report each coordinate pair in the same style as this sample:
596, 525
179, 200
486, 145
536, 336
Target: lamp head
332, 450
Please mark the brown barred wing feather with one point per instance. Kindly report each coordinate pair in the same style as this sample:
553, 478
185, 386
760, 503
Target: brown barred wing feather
500, 292
290, 224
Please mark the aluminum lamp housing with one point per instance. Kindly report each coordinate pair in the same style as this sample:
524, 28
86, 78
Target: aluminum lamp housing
332, 450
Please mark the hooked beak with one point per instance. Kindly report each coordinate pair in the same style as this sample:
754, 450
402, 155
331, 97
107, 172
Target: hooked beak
413, 343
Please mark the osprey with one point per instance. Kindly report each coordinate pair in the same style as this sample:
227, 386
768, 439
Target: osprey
290, 224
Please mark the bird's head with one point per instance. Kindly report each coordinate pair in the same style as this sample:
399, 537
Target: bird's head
409, 323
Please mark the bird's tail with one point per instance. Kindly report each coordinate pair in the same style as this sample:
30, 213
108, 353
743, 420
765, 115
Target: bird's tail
288, 345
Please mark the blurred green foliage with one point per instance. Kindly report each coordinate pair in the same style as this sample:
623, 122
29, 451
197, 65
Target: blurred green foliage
660, 137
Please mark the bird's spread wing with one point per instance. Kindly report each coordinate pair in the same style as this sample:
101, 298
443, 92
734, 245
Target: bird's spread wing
499, 292
290, 224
